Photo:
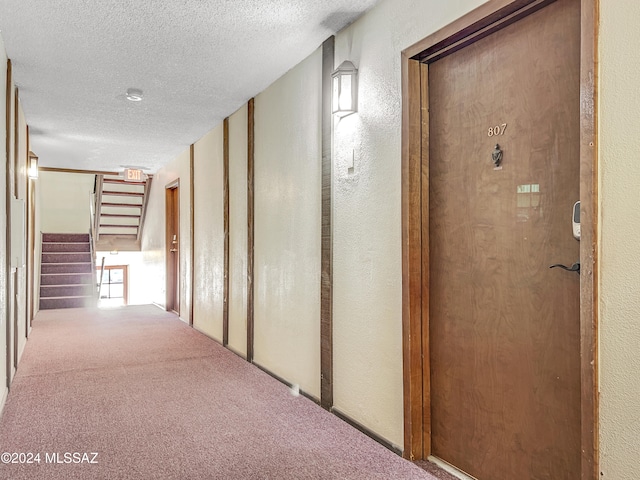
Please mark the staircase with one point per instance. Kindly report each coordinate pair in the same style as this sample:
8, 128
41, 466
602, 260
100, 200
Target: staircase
66, 278
120, 209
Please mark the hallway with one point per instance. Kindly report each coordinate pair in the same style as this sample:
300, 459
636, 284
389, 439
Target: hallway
156, 399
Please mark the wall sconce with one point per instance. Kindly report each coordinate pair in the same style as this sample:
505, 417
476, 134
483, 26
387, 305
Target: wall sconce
344, 95
32, 170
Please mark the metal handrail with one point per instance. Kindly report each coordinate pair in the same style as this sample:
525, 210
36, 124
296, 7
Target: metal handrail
101, 276
93, 237
97, 205
143, 211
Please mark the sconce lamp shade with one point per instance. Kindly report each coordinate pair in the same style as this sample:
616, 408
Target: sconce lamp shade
344, 96
33, 166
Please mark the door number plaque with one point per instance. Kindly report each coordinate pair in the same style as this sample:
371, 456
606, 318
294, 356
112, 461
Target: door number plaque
496, 155
497, 130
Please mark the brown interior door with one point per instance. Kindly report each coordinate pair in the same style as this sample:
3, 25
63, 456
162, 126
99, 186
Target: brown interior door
503, 326
173, 247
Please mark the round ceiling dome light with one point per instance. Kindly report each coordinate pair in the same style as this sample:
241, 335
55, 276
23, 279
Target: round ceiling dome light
134, 95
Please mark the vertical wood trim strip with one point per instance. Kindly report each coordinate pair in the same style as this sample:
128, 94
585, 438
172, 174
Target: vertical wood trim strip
8, 319
16, 305
167, 240
589, 239
16, 143
250, 225
426, 259
225, 293
412, 260
29, 233
16, 194
326, 255
192, 259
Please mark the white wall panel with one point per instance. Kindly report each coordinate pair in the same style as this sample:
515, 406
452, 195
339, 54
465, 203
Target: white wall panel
287, 225
65, 200
209, 233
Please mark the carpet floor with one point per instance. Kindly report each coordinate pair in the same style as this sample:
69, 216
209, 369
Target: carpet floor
155, 399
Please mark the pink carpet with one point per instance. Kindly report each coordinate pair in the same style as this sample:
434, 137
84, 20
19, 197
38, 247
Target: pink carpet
155, 399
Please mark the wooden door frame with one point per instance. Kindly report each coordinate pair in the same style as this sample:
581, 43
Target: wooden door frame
415, 221
169, 214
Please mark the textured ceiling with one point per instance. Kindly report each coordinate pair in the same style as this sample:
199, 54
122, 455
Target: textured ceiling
196, 61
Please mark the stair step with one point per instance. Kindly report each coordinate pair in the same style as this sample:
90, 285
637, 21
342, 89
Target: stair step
115, 225
109, 229
134, 212
122, 194
118, 215
121, 182
68, 257
67, 279
61, 247
65, 268
65, 237
66, 276
124, 205
66, 302
55, 291
126, 236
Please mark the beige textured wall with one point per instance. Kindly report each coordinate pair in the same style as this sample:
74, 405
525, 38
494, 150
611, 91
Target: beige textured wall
3, 226
619, 144
209, 233
64, 200
287, 226
153, 235
238, 138
367, 213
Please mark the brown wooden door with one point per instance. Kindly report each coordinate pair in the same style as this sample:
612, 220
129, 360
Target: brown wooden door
173, 247
503, 326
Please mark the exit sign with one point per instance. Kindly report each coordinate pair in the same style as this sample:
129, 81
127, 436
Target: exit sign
133, 175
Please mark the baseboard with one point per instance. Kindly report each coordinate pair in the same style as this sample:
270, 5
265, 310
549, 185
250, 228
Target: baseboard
265, 370
358, 426
450, 468
369, 433
219, 342
288, 384
345, 418
238, 353
210, 337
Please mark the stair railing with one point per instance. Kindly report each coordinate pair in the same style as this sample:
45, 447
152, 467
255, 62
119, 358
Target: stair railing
93, 224
101, 277
143, 211
97, 191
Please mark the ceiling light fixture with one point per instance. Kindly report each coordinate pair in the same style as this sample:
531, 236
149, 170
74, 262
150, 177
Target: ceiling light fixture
134, 95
